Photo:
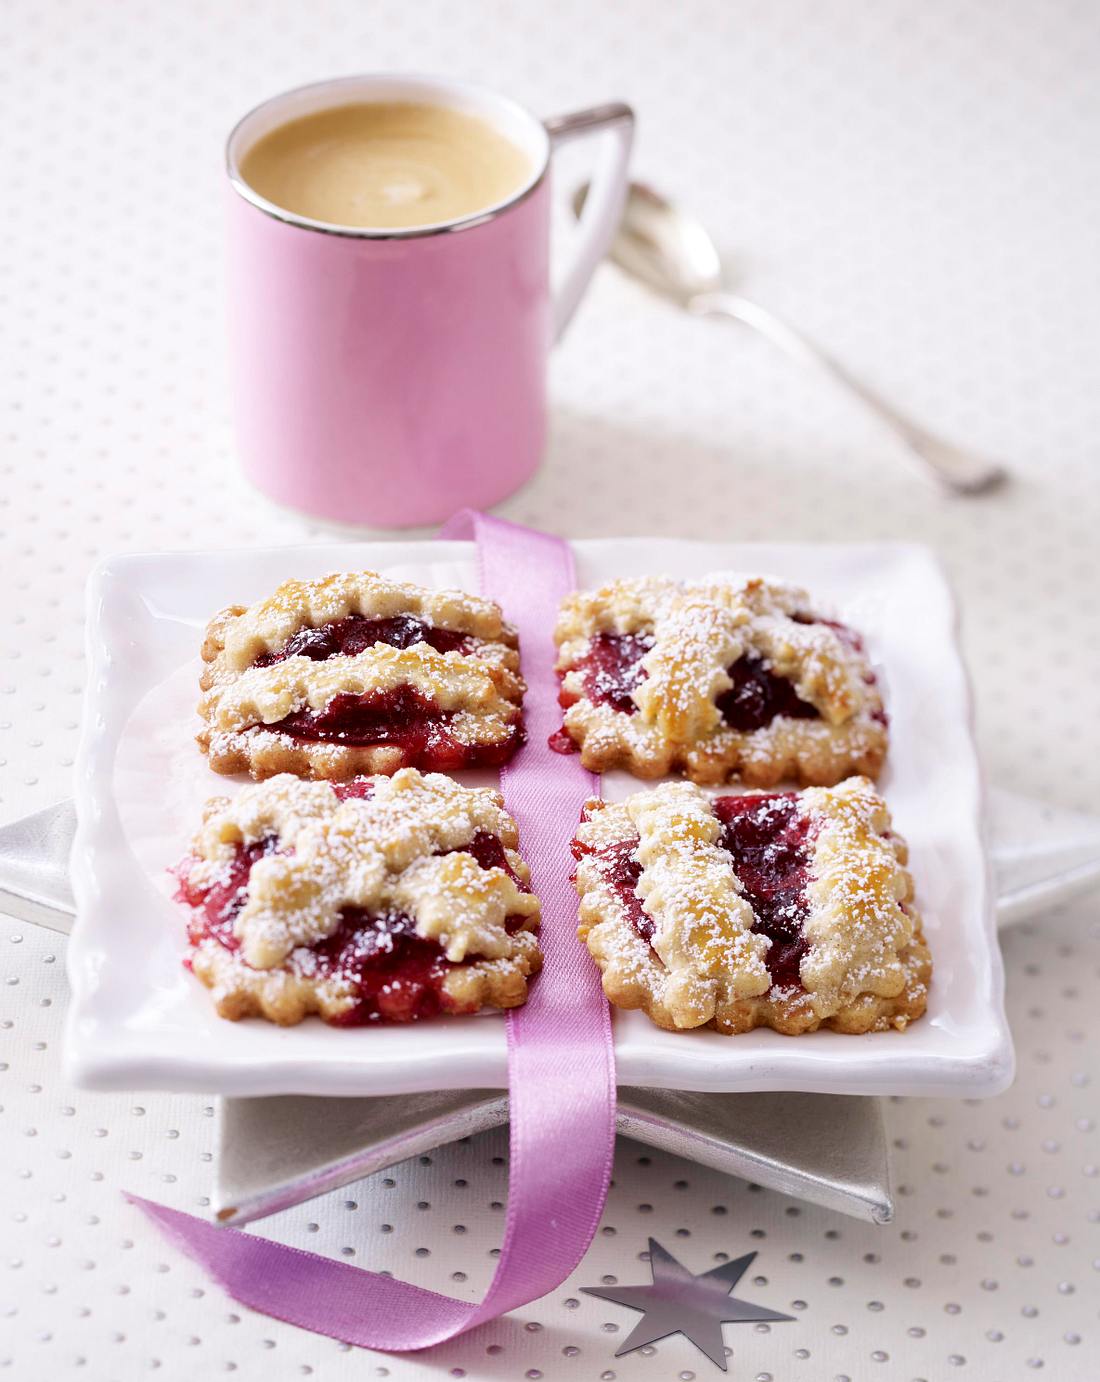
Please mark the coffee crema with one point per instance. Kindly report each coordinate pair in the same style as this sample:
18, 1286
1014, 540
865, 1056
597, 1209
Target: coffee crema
385, 165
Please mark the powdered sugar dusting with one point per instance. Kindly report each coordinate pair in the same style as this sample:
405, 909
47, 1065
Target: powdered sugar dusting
703, 927
863, 962
452, 681
369, 853
266, 625
340, 667
858, 927
699, 630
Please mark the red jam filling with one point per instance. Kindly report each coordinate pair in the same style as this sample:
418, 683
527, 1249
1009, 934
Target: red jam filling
622, 871
355, 633
758, 696
359, 788
395, 975
612, 668
561, 741
401, 717
216, 907
769, 840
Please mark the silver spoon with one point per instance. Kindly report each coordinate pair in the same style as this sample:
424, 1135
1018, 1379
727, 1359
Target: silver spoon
672, 253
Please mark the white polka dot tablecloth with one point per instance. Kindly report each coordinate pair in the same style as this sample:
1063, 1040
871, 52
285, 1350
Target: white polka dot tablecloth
913, 185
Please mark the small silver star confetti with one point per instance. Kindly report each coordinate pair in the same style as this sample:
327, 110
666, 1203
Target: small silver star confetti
681, 1303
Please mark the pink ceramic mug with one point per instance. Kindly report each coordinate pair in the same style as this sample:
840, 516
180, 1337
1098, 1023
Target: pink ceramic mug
392, 377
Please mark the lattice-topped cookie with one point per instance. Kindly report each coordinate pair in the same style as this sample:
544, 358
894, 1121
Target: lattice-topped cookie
353, 674
384, 899
791, 910
719, 679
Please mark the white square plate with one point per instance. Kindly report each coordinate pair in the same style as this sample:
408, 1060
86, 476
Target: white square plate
139, 1021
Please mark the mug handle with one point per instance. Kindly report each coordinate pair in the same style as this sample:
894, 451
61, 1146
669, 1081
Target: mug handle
603, 206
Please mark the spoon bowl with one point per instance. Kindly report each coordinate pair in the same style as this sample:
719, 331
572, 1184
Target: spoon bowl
669, 251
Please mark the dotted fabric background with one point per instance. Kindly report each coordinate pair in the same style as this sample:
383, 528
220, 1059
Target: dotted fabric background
915, 185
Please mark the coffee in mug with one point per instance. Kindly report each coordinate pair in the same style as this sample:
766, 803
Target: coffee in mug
386, 164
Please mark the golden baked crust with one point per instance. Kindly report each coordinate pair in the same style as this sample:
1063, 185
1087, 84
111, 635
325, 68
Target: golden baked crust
401, 852
656, 864
288, 995
474, 691
689, 636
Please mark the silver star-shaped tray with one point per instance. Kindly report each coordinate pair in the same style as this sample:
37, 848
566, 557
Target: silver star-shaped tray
828, 1149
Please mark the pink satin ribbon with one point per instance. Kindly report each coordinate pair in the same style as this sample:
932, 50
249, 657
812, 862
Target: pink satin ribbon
561, 1064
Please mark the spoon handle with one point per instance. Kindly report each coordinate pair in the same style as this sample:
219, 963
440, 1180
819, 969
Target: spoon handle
959, 470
